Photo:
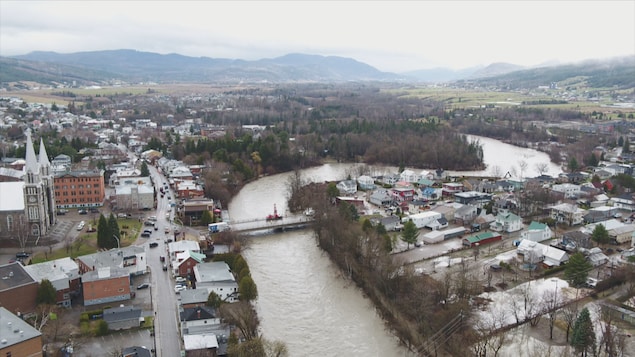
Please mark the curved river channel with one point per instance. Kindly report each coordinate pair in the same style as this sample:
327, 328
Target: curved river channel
303, 299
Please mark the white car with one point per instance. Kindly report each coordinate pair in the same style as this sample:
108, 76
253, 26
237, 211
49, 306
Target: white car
180, 279
80, 226
179, 288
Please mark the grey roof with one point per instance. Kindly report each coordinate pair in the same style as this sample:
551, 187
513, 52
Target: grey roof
122, 313
14, 330
103, 274
193, 296
110, 258
13, 275
213, 272
136, 351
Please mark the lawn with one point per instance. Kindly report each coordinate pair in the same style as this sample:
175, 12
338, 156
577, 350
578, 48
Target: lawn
86, 243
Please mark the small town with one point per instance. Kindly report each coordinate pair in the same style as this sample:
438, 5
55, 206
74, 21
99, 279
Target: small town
301, 179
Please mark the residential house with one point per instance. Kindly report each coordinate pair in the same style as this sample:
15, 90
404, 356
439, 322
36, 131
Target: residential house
184, 263
217, 277
403, 194
181, 246
391, 223
199, 315
18, 337
16, 282
381, 198
347, 187
193, 298
123, 317
465, 214
536, 232
507, 186
596, 257
431, 193
408, 176
573, 240
567, 190
366, 183
105, 285
507, 222
136, 351
450, 188
623, 234
567, 213
484, 220
63, 274
200, 345
531, 251
624, 202
554, 257
598, 214
474, 198
609, 225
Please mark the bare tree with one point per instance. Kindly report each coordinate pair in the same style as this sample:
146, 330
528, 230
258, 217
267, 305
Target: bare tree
542, 167
569, 315
551, 303
523, 166
496, 171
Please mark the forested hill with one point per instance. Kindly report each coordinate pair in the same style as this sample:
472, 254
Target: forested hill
617, 73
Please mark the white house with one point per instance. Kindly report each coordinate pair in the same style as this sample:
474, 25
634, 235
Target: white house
568, 190
217, 277
537, 232
408, 176
554, 257
347, 187
366, 182
567, 213
507, 222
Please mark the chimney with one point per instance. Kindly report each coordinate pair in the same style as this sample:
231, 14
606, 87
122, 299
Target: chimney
198, 313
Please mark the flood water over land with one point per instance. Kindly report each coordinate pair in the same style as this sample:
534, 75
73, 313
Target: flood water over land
303, 299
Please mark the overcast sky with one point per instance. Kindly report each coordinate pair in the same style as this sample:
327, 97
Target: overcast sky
388, 35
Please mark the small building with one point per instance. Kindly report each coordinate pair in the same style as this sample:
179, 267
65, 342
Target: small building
357, 202
16, 282
136, 351
366, 183
481, 239
200, 345
554, 257
18, 338
623, 234
347, 187
507, 222
123, 317
381, 198
184, 263
191, 298
105, 285
63, 274
537, 232
217, 277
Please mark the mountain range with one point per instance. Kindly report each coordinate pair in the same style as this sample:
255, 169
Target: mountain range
98, 67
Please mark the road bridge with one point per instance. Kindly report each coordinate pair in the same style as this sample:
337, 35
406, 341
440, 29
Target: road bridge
281, 224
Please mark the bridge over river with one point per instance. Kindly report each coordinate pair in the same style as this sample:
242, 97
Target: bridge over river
263, 224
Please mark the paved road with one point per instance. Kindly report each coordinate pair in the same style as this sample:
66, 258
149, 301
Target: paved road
168, 338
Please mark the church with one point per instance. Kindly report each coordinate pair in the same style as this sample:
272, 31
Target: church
27, 207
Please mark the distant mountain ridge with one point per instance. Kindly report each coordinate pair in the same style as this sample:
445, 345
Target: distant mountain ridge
137, 66
99, 67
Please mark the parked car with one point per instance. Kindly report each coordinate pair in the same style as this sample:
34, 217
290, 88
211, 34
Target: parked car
82, 211
146, 233
179, 288
143, 286
80, 226
166, 230
22, 255
180, 279
156, 227
154, 245
165, 267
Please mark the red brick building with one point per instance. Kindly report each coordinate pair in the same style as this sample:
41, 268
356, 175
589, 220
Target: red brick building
18, 289
77, 189
105, 285
19, 339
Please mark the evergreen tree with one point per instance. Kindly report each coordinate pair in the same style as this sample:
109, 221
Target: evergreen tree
46, 293
103, 233
113, 226
626, 148
600, 235
577, 270
247, 289
583, 336
145, 172
213, 300
410, 233
206, 218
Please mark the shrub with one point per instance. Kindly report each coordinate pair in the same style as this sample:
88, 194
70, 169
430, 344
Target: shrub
102, 328
83, 317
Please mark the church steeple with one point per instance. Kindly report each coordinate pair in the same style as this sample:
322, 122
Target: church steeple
44, 158
31, 164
